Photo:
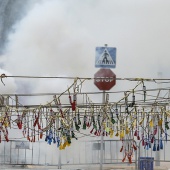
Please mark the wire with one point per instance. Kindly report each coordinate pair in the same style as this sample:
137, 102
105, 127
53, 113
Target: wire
82, 93
87, 78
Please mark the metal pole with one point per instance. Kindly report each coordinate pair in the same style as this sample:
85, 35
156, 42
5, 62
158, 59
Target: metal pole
136, 160
4, 152
10, 150
25, 157
102, 137
138, 164
59, 155
157, 154
39, 153
59, 159
32, 154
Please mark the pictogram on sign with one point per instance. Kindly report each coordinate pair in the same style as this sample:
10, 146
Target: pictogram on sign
105, 57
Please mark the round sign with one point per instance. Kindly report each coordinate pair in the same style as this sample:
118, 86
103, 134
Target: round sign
104, 79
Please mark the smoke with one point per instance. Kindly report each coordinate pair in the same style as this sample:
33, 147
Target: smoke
59, 38
46, 41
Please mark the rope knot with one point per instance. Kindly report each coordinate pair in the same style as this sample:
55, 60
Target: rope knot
3, 76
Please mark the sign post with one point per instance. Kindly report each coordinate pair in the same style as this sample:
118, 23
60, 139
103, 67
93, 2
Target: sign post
102, 137
104, 79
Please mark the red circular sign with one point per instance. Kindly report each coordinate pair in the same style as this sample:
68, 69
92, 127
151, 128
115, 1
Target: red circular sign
104, 79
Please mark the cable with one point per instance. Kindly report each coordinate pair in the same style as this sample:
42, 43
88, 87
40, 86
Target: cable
87, 78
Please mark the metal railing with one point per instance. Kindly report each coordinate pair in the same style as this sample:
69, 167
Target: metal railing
147, 153
79, 153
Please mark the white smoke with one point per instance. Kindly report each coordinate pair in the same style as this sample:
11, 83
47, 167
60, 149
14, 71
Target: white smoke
59, 38
47, 42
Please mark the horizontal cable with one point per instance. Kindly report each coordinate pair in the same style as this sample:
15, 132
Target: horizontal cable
88, 78
80, 93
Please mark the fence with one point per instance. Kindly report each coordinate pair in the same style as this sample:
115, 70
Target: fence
160, 156
79, 153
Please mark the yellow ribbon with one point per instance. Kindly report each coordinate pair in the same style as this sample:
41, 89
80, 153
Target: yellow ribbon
111, 133
160, 122
127, 131
122, 134
151, 123
117, 134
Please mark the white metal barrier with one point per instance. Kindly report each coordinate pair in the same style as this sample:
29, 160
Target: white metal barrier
79, 153
149, 153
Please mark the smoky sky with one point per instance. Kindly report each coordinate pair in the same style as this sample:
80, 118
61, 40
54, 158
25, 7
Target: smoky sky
58, 38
